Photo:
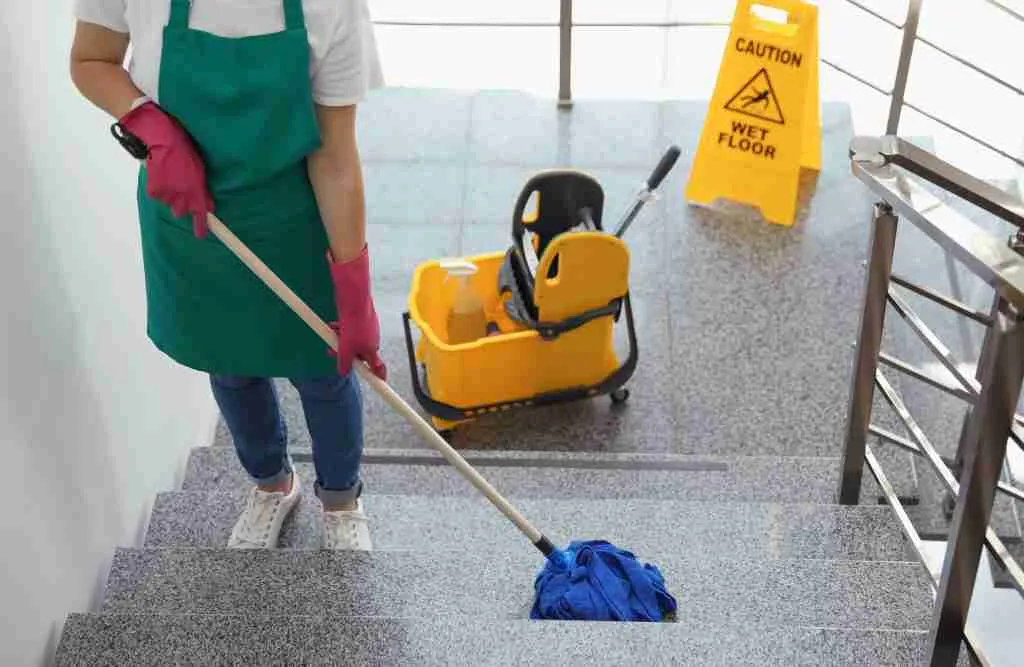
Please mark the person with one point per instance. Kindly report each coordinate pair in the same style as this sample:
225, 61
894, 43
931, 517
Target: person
247, 109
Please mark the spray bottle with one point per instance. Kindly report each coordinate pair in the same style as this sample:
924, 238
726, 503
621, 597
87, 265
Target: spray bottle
467, 320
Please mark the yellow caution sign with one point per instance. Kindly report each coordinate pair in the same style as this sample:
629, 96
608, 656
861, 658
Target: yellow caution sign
764, 121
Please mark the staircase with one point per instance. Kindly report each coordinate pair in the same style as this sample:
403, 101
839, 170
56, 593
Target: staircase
722, 469
765, 568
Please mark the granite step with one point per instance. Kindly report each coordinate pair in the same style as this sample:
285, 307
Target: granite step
481, 582
560, 475
115, 639
655, 527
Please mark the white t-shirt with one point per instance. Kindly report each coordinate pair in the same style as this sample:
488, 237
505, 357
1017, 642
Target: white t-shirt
344, 62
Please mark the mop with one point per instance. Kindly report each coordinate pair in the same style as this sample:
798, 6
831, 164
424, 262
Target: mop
589, 581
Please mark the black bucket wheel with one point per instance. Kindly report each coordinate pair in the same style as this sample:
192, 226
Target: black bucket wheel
620, 396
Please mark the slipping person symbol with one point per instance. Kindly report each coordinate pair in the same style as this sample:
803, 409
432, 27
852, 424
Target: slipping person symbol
762, 98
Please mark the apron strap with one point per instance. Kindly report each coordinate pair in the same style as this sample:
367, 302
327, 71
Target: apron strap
294, 18
180, 10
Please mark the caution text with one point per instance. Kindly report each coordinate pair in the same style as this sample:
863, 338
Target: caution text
769, 52
748, 138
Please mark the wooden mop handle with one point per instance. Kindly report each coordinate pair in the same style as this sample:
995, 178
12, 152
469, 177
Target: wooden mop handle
387, 393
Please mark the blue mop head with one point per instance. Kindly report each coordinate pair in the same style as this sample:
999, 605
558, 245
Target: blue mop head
597, 581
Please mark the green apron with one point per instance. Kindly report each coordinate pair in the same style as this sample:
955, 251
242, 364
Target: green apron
248, 103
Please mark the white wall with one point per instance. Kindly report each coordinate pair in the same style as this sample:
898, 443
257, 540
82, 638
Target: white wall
93, 422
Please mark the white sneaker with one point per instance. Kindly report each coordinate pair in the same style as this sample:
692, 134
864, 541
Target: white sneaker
264, 514
347, 530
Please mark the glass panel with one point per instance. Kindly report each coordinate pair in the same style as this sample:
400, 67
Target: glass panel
464, 10
894, 10
471, 58
859, 42
694, 56
978, 32
965, 99
635, 11
619, 62
698, 11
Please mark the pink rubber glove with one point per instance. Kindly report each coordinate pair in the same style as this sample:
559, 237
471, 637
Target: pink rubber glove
358, 329
177, 175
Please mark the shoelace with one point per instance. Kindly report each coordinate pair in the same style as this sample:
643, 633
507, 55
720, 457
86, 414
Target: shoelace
350, 522
259, 512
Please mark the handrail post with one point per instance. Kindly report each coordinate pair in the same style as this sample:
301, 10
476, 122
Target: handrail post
565, 54
882, 247
987, 432
899, 88
986, 348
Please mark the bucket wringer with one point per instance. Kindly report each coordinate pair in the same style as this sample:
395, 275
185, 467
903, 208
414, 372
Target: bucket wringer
546, 308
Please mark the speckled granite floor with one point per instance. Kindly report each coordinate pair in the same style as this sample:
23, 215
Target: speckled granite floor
756, 530
474, 581
118, 639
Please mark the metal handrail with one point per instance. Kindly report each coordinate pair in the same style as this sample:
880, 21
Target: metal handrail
946, 302
880, 17
964, 133
971, 66
994, 262
1011, 12
898, 94
890, 168
917, 545
925, 449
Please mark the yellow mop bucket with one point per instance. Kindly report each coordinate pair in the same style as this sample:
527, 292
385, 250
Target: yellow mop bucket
550, 333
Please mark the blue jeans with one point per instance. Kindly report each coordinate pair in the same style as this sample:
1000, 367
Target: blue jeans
333, 408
